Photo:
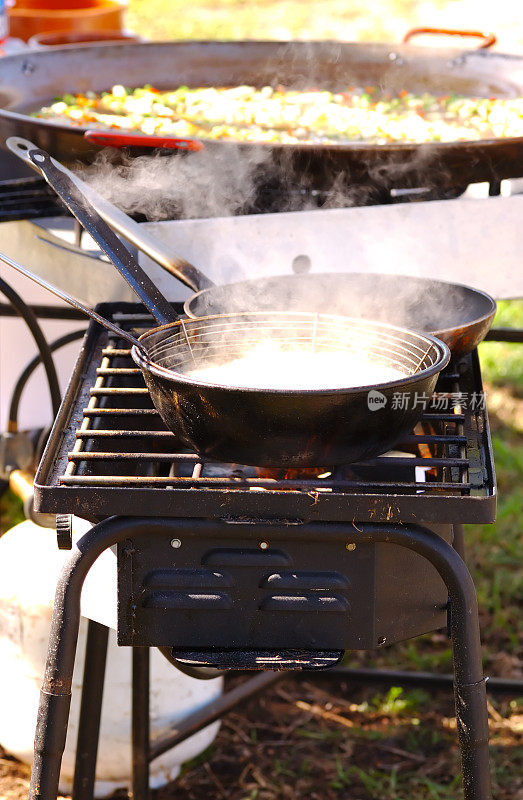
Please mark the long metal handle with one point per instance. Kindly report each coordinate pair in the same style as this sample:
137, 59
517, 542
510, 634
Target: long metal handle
181, 269
106, 238
72, 302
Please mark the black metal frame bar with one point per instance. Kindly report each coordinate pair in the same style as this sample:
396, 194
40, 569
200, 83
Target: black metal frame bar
28, 198
429, 680
45, 312
140, 725
512, 335
53, 714
90, 711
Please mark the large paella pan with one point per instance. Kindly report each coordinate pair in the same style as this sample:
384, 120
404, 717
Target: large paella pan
31, 80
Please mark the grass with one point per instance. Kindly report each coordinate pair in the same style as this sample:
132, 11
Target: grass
494, 551
391, 746
501, 363
11, 511
392, 785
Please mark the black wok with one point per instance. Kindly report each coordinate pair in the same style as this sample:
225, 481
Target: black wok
30, 80
273, 427
458, 315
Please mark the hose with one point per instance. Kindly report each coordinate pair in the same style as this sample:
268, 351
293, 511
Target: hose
28, 371
31, 321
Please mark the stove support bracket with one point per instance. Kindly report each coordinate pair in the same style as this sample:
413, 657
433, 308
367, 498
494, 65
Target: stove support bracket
55, 696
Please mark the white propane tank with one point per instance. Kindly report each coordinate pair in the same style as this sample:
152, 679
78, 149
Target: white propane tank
30, 563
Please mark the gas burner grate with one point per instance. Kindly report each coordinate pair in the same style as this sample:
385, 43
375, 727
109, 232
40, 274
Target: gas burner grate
115, 454
31, 198
28, 198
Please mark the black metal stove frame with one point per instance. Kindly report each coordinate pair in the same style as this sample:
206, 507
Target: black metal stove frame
79, 474
469, 684
29, 197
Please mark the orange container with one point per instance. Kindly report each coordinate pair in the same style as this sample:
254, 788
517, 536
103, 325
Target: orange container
30, 17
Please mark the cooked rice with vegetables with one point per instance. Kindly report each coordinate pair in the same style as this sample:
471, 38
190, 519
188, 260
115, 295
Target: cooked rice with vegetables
243, 113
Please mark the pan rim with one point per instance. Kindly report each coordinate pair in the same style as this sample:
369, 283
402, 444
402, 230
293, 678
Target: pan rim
436, 333
443, 54
444, 353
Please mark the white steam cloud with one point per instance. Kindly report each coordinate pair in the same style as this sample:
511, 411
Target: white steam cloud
209, 183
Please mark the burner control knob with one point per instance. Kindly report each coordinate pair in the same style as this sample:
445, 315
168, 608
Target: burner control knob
64, 531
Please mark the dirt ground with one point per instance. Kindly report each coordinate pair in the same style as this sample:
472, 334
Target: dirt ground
324, 741
14, 778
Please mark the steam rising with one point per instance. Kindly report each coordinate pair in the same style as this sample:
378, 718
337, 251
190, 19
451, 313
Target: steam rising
223, 181
208, 183
233, 179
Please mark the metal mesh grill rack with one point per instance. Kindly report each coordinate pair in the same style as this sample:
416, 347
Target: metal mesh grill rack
110, 453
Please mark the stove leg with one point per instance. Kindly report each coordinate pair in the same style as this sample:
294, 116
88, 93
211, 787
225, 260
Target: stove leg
469, 684
472, 722
90, 711
140, 724
55, 695
470, 698
470, 694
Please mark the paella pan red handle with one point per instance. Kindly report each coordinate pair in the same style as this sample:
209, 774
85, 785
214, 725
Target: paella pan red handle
118, 139
488, 39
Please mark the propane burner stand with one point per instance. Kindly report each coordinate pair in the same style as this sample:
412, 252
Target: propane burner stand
246, 558
239, 567
469, 684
